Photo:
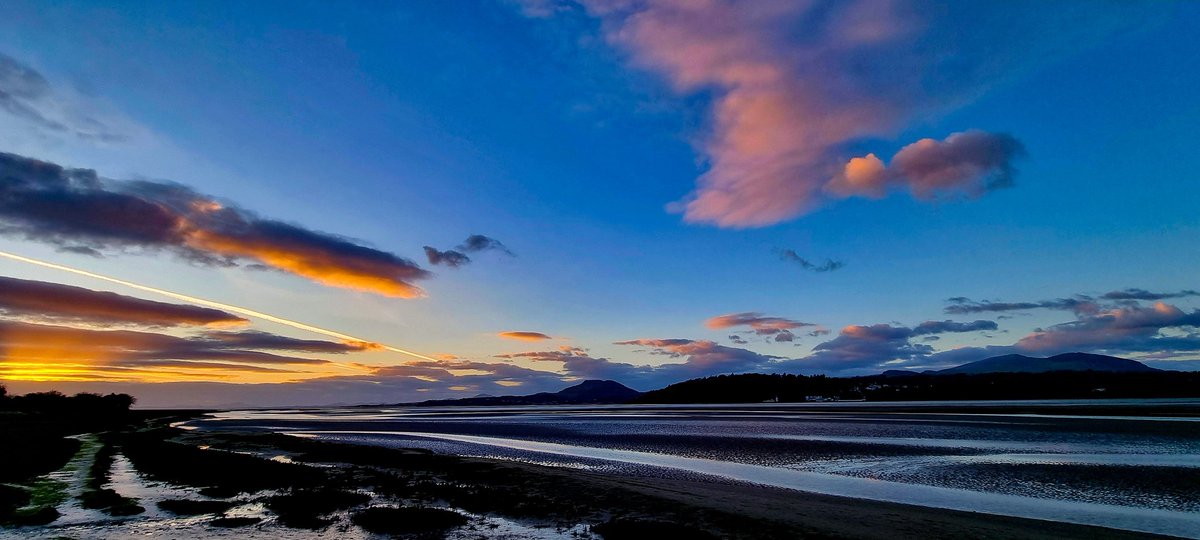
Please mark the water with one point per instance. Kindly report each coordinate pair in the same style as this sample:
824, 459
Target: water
1132, 465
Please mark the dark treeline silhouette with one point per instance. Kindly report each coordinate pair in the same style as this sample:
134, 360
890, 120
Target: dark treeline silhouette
34, 428
754, 388
57, 403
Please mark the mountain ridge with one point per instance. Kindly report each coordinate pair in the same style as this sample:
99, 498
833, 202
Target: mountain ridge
589, 392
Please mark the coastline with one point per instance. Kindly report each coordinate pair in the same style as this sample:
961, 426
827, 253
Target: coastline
575, 503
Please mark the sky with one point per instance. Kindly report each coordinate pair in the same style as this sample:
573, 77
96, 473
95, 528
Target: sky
304, 203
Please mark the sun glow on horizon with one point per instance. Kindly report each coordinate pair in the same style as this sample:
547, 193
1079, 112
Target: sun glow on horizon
64, 361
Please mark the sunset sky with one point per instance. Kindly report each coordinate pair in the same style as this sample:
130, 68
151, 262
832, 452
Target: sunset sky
530, 193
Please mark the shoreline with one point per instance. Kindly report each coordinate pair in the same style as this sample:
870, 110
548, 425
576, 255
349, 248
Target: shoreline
260, 484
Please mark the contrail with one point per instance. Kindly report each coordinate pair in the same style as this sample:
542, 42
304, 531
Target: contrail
211, 304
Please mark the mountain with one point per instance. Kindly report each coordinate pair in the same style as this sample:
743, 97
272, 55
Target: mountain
586, 392
1017, 363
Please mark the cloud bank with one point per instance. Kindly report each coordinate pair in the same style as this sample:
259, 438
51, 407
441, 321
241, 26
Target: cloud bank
54, 301
77, 210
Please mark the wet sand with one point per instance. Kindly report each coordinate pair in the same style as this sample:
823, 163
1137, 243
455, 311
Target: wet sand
251, 481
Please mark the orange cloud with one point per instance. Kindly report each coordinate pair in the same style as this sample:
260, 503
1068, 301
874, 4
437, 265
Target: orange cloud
31, 351
77, 210
524, 336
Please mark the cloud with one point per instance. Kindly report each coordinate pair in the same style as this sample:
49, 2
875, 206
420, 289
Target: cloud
383, 384
1079, 303
53, 301
942, 327
701, 359
737, 339
27, 96
1126, 329
31, 350
761, 324
76, 209
1143, 294
963, 306
881, 345
457, 257
451, 258
970, 163
478, 242
524, 336
562, 353
794, 85
828, 266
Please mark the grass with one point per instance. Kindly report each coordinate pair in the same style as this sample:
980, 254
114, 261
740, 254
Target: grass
96, 496
223, 473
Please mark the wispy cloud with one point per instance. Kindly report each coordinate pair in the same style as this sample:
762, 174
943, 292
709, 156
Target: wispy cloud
794, 85
26, 96
1079, 303
77, 210
759, 323
828, 266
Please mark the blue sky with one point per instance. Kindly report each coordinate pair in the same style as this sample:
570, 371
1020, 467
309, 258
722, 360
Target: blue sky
568, 131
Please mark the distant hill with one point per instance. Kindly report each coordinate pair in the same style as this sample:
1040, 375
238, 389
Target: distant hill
1010, 377
1017, 363
587, 392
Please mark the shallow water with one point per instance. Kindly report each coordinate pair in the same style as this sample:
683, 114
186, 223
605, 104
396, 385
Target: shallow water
1137, 470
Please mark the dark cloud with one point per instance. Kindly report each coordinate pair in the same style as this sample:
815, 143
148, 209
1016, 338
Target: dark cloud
1126, 329
737, 339
75, 209
881, 345
828, 266
478, 242
761, 324
702, 358
1079, 304
43, 300
1143, 294
451, 258
457, 257
942, 327
27, 95
524, 336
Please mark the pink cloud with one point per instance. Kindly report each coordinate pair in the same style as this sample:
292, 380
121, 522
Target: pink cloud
969, 163
793, 84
